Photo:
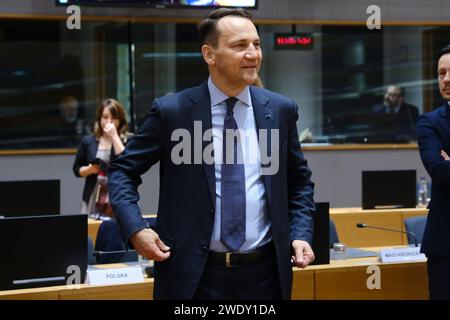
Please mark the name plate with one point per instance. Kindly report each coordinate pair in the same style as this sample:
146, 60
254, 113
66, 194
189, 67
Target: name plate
114, 276
401, 254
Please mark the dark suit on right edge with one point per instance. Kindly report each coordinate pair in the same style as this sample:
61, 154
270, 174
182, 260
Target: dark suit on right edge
433, 136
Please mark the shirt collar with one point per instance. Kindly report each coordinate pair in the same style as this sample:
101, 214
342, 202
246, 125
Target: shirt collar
217, 96
388, 109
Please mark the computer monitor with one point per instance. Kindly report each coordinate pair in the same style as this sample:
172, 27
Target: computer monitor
321, 236
371, 128
38, 251
29, 198
389, 189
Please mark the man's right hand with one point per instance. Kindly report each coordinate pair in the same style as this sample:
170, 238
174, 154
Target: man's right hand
148, 244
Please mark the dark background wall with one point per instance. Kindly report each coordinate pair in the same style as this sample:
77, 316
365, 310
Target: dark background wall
336, 10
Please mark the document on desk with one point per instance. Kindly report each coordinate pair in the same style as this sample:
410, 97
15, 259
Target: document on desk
114, 276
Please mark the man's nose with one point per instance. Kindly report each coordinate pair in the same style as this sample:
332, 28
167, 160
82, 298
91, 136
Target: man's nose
251, 53
447, 77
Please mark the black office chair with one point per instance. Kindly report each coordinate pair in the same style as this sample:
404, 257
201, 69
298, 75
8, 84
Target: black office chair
91, 258
333, 233
415, 225
109, 238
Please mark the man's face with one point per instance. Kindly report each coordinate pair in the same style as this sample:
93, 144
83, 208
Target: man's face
392, 96
444, 76
69, 110
237, 56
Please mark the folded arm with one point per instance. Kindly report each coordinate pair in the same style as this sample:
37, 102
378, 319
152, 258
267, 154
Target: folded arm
430, 147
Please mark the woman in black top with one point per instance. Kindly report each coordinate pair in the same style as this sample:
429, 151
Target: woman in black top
97, 150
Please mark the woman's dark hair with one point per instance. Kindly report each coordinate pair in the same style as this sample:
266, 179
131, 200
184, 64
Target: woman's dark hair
117, 111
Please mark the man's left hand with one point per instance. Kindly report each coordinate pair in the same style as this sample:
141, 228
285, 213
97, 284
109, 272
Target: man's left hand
302, 253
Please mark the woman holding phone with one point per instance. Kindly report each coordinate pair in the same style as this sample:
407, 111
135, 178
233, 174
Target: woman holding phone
96, 151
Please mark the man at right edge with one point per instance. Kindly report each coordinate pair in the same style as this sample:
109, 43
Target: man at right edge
433, 131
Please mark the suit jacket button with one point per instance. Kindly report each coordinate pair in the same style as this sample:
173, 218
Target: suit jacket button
212, 211
205, 248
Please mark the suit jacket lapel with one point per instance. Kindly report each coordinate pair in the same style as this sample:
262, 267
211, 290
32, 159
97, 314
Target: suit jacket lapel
265, 119
200, 110
445, 110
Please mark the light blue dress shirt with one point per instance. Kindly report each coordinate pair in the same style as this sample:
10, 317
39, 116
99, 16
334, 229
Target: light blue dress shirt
257, 223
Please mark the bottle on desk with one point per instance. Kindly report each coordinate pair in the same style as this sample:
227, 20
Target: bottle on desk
422, 199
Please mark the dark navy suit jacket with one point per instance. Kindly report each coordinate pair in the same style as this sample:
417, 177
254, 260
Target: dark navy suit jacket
185, 215
433, 131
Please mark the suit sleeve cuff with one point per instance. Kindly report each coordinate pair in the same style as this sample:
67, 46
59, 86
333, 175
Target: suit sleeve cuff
130, 220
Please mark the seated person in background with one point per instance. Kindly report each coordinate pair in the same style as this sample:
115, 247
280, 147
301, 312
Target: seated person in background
407, 115
96, 151
70, 126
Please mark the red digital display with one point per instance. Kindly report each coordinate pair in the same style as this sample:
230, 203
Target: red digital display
291, 41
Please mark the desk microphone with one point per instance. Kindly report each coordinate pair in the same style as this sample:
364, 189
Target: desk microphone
103, 253
363, 225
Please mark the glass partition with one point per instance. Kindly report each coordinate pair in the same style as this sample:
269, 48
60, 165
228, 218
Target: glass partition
353, 86
51, 80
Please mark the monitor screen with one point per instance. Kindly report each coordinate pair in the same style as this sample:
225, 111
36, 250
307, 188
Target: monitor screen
370, 128
249, 4
42, 251
29, 198
389, 189
321, 236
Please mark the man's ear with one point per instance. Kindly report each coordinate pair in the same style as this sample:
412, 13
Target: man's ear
208, 54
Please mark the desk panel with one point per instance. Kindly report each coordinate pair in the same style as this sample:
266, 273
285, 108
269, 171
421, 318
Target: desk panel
48, 293
346, 219
93, 226
354, 237
406, 281
303, 285
131, 291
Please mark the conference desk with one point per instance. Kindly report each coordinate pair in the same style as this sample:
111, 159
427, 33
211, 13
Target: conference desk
341, 279
346, 220
347, 280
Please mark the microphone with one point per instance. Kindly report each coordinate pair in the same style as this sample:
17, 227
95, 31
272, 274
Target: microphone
363, 225
98, 253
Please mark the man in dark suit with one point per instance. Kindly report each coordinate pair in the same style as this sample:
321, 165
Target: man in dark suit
434, 144
226, 228
405, 114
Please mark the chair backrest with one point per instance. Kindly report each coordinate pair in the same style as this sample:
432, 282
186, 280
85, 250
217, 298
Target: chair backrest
415, 225
109, 238
333, 233
91, 258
